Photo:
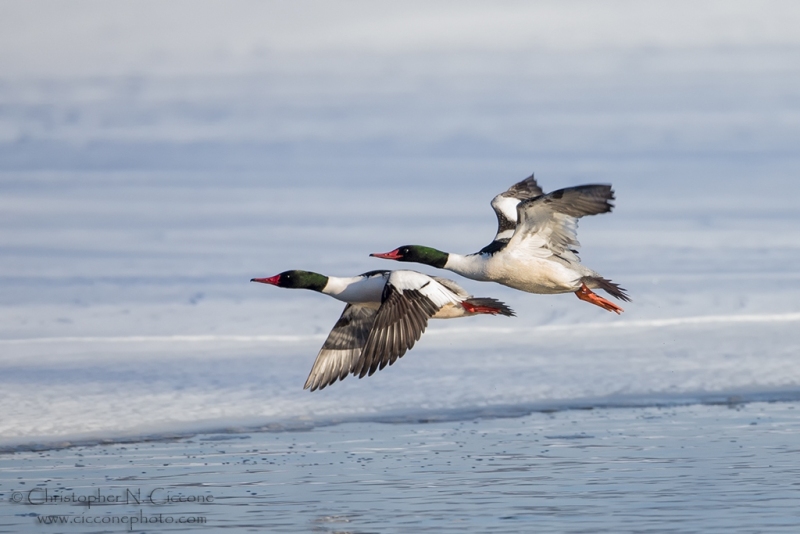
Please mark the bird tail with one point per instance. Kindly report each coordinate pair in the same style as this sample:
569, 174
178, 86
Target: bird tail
613, 289
487, 305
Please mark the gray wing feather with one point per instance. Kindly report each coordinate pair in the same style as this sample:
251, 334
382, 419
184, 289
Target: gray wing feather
553, 217
456, 289
342, 348
527, 188
579, 201
399, 324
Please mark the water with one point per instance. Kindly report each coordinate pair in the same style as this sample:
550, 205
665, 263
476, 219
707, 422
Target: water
697, 468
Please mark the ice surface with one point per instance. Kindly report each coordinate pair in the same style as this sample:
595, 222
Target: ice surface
129, 311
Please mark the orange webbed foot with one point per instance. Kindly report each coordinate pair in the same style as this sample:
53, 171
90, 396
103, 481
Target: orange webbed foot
586, 294
471, 308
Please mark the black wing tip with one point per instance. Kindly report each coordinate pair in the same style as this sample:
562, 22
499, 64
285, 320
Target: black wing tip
314, 386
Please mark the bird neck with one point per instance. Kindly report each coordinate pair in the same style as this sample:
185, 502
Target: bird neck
471, 266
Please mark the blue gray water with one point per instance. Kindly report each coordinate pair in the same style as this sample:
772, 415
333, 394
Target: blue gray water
701, 468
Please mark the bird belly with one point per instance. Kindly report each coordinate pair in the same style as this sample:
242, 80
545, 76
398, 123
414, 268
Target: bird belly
538, 275
451, 311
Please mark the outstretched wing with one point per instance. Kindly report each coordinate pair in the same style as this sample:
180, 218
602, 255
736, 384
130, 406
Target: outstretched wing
342, 348
409, 300
505, 208
450, 285
548, 224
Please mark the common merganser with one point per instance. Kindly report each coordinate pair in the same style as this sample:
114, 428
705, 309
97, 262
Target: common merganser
386, 313
540, 256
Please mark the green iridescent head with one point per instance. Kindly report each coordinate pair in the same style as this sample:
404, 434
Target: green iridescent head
296, 280
416, 254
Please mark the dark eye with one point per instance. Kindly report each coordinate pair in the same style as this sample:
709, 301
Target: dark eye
404, 251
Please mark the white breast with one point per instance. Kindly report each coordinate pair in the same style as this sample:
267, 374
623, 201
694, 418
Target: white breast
357, 289
534, 275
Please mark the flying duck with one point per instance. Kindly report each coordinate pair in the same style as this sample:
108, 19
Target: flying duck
386, 313
535, 248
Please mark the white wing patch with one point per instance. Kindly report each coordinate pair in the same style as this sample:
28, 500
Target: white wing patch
409, 300
457, 290
548, 225
506, 209
427, 286
542, 233
506, 205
